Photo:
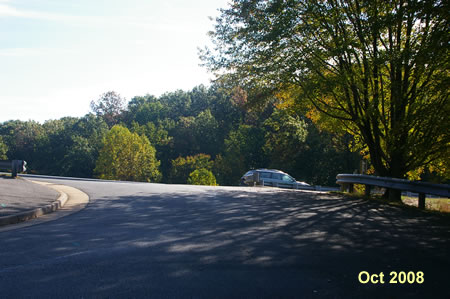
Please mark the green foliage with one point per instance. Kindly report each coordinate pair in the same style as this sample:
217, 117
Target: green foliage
79, 158
284, 133
46, 147
211, 128
379, 67
3, 150
202, 176
183, 167
243, 151
196, 134
157, 135
21, 139
127, 156
143, 110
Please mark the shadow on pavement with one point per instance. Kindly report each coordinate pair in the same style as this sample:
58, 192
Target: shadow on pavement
233, 244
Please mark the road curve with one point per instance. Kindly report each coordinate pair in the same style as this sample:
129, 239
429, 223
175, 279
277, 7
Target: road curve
138, 240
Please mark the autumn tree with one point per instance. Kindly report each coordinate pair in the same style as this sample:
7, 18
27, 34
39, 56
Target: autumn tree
127, 156
110, 107
381, 68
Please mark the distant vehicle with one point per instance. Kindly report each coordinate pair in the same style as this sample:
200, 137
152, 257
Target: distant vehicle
272, 177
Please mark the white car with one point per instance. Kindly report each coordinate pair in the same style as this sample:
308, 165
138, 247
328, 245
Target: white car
272, 177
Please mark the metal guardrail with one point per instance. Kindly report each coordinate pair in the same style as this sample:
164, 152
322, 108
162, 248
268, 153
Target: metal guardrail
348, 180
14, 166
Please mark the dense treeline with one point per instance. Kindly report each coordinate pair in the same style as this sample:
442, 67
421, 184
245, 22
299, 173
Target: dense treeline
207, 134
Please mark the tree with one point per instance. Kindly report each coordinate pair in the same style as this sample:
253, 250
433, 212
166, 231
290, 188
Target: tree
243, 151
197, 134
52, 146
379, 67
3, 150
202, 177
127, 156
284, 134
79, 159
183, 167
145, 109
110, 107
21, 139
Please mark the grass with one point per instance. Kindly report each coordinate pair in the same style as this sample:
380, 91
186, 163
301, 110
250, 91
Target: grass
432, 204
7, 176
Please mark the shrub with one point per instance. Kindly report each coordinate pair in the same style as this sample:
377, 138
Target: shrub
183, 167
202, 176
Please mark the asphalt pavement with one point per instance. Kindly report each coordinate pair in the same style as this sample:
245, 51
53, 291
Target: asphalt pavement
20, 195
141, 240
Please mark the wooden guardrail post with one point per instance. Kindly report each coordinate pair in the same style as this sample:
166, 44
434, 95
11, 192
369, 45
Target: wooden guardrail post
351, 188
421, 203
367, 190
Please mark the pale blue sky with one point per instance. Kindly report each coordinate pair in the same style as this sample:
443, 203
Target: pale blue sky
58, 55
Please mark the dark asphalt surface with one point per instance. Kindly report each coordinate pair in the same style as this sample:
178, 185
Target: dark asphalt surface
137, 240
19, 195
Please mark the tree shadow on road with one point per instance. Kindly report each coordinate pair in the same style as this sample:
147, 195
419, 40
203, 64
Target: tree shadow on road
266, 243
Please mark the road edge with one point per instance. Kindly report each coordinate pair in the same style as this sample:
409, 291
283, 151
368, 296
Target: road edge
70, 201
31, 214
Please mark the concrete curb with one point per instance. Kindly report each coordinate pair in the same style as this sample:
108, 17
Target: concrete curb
76, 201
24, 216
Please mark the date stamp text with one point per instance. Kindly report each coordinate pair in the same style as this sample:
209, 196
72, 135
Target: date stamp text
394, 277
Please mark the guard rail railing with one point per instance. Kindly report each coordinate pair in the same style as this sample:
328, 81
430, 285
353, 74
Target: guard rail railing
15, 166
347, 182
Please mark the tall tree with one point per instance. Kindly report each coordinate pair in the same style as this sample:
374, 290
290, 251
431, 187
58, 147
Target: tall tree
379, 67
110, 107
127, 156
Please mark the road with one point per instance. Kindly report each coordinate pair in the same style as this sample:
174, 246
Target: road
138, 240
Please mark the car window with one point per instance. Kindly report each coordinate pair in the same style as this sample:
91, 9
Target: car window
265, 175
287, 178
276, 176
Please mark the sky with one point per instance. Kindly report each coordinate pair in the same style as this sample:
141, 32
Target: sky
56, 56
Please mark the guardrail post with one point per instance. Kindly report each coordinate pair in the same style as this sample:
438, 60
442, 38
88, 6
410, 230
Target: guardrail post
351, 188
421, 201
367, 190
14, 167
394, 186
